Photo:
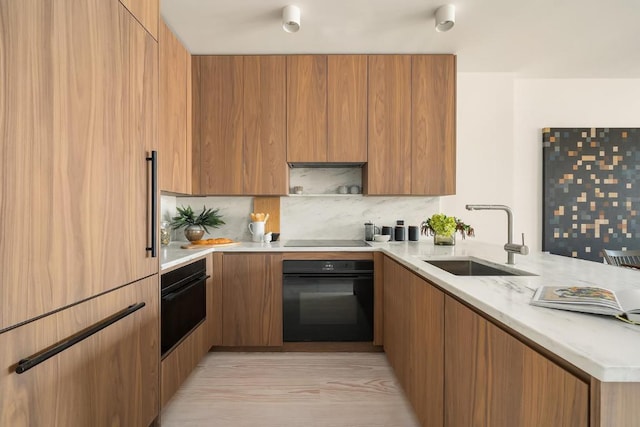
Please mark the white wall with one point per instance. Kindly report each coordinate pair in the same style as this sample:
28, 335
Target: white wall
485, 153
544, 103
500, 121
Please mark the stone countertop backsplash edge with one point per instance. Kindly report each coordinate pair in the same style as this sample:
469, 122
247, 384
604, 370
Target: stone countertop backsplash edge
592, 343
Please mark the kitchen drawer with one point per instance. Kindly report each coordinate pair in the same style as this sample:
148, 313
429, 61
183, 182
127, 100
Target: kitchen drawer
109, 378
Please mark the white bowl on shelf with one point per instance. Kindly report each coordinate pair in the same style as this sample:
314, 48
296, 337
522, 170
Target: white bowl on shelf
381, 237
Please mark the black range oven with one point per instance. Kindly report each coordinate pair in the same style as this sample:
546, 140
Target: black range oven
182, 303
327, 300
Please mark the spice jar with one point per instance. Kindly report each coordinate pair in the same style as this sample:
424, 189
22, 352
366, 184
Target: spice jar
165, 233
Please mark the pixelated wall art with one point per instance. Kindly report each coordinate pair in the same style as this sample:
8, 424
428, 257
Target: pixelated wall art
591, 190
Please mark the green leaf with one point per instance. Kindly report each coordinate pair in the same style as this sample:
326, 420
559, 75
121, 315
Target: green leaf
206, 218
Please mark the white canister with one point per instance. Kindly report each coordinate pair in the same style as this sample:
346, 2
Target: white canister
257, 230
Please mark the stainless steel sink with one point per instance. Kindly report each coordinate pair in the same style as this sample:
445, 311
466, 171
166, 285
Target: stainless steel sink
469, 267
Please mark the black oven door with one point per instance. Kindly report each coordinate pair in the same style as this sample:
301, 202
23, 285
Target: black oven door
182, 309
328, 308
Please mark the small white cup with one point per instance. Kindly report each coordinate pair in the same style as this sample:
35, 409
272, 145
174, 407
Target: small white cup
343, 189
257, 230
267, 237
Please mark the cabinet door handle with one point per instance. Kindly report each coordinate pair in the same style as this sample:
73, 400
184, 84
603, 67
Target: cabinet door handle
171, 296
154, 203
36, 359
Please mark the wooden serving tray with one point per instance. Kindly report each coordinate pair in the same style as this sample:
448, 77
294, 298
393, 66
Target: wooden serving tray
219, 245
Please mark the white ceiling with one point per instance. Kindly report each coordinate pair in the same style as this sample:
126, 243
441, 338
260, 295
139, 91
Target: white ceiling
531, 38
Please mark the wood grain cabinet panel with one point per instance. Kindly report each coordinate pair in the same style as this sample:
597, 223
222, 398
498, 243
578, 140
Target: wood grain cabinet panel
252, 299
108, 379
388, 170
493, 379
174, 157
76, 128
433, 121
214, 301
133, 211
265, 145
414, 339
347, 108
147, 12
218, 87
306, 108
239, 132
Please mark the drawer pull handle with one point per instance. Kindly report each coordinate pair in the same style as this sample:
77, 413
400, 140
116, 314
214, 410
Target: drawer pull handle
29, 362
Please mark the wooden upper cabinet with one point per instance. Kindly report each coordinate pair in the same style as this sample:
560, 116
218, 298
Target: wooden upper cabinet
174, 156
347, 108
306, 108
264, 111
388, 170
218, 87
252, 299
433, 108
493, 379
147, 12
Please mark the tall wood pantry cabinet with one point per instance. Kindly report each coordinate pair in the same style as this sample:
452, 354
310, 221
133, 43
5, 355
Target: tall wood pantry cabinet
77, 122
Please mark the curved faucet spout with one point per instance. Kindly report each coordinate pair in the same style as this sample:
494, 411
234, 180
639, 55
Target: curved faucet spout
510, 247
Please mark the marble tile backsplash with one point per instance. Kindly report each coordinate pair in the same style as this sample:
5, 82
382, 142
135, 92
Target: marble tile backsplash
319, 213
328, 217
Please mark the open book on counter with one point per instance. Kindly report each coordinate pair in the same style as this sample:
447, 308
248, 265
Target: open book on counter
589, 299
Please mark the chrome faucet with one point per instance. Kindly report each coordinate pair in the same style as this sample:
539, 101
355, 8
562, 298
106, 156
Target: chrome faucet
510, 247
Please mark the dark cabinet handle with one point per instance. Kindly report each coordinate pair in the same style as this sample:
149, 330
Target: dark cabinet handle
34, 360
171, 296
154, 203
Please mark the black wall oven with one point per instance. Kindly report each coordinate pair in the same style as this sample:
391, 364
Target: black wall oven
327, 300
182, 303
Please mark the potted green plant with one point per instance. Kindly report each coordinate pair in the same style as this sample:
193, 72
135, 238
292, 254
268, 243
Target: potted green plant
196, 225
443, 228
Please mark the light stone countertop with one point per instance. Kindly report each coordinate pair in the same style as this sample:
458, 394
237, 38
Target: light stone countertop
602, 346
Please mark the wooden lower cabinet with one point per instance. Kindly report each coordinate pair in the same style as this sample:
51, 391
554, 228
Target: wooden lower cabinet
493, 379
413, 339
252, 299
178, 365
107, 379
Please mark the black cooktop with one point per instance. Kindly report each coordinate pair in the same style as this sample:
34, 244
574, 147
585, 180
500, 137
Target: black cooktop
326, 243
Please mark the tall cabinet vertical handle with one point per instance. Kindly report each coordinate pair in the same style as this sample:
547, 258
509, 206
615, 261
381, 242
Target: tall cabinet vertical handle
154, 203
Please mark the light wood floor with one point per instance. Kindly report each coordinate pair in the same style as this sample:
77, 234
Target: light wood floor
290, 389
